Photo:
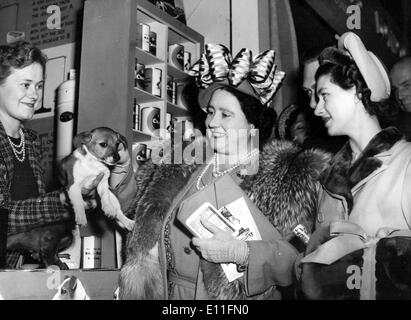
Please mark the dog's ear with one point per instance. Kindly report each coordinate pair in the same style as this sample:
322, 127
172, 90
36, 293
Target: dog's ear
73, 283
122, 139
82, 138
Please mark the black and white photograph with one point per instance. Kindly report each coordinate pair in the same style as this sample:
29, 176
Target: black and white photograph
123, 121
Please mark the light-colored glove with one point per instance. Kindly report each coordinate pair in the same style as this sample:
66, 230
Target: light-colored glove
222, 247
120, 170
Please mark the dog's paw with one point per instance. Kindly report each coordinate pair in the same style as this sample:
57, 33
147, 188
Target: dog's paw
126, 223
81, 220
109, 209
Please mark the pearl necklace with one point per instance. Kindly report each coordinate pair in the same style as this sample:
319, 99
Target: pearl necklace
218, 174
19, 154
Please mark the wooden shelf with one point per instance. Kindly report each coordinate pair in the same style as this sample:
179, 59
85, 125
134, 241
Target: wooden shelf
155, 13
107, 77
140, 136
144, 96
177, 111
147, 58
176, 73
108, 57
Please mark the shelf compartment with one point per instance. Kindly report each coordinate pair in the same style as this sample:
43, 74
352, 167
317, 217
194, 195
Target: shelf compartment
144, 96
175, 37
139, 136
147, 58
177, 111
177, 74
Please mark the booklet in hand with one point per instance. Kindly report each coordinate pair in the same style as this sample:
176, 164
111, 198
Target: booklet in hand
235, 217
209, 213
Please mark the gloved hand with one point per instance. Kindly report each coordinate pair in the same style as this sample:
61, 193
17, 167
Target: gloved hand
122, 167
222, 247
89, 192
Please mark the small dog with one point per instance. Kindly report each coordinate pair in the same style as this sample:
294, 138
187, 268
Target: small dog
71, 289
95, 151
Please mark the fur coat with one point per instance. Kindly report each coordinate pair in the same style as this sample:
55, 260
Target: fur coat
284, 189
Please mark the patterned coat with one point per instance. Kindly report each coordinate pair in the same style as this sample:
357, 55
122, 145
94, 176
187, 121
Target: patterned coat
30, 213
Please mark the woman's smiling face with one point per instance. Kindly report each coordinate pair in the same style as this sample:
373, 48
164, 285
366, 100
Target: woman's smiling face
21, 92
336, 106
226, 123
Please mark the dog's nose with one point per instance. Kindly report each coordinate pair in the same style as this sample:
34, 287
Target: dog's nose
116, 157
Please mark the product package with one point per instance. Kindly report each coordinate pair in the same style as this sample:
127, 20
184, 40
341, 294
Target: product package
143, 37
153, 78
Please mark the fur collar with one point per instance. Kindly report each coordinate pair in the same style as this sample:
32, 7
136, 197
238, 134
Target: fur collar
342, 175
284, 189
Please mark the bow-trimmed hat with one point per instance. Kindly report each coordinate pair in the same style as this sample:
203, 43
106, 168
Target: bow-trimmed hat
257, 77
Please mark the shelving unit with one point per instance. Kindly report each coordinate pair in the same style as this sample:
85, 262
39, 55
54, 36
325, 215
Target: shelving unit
107, 72
109, 53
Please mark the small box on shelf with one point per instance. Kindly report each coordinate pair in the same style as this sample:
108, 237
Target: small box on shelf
143, 37
153, 81
91, 249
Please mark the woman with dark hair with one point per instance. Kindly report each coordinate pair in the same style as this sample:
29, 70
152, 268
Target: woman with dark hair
352, 93
22, 188
367, 188
277, 180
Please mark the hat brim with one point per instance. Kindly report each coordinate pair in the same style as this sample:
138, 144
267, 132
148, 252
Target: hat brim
205, 95
281, 123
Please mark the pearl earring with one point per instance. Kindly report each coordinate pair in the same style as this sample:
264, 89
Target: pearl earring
253, 132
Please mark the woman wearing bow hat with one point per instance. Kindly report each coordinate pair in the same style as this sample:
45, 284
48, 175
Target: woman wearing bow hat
163, 260
369, 180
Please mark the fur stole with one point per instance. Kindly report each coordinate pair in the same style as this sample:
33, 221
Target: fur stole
284, 189
342, 175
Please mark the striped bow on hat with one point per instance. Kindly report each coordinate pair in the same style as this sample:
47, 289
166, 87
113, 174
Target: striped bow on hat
257, 77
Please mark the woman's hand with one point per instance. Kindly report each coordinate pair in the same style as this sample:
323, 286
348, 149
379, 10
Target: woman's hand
121, 168
222, 247
89, 193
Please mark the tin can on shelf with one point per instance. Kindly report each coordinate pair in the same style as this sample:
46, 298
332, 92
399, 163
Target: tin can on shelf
150, 119
176, 56
143, 37
141, 152
153, 81
153, 43
139, 75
